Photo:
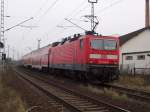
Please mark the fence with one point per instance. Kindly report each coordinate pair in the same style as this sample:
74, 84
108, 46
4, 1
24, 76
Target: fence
131, 69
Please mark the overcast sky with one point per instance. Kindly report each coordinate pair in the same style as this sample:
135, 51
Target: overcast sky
116, 17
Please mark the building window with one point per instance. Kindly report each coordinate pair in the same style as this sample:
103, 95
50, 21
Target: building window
129, 57
141, 57
148, 54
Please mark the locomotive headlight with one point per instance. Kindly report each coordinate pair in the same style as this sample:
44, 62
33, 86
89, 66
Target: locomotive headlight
96, 56
112, 56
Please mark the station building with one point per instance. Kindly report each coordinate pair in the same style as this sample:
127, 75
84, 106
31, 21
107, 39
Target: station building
135, 52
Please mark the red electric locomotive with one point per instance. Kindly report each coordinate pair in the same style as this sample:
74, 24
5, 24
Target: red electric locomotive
89, 57
86, 57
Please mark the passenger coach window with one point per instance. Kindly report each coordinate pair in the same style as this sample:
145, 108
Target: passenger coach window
81, 43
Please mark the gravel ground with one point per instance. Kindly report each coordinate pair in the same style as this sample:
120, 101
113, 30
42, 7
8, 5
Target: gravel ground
31, 96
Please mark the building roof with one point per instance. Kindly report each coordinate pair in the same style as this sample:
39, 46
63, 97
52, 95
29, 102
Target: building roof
123, 39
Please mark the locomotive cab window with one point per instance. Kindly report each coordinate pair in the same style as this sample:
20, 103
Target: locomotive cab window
110, 45
97, 44
105, 44
81, 44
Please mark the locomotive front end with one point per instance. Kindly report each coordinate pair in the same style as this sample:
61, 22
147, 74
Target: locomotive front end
103, 57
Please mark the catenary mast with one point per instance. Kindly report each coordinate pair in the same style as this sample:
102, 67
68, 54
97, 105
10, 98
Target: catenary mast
2, 21
147, 15
2, 24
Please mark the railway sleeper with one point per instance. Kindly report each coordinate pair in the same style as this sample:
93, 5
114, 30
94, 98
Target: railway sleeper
83, 105
98, 111
95, 107
90, 106
56, 104
86, 109
62, 93
53, 102
71, 98
79, 102
75, 99
68, 96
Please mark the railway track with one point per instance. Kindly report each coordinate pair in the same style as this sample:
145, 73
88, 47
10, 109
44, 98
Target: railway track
69, 98
138, 95
135, 94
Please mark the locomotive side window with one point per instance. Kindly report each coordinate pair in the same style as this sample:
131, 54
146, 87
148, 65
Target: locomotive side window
81, 43
50, 51
97, 44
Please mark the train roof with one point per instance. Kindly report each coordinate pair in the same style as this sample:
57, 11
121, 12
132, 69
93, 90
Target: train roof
66, 40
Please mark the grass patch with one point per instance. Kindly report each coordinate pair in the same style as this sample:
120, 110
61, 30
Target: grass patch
92, 89
9, 99
135, 82
107, 92
115, 95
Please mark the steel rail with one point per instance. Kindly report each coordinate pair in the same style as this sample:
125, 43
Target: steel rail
96, 101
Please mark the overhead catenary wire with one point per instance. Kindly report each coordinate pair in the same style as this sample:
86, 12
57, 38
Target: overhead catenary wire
79, 11
85, 6
75, 24
73, 11
51, 6
100, 11
82, 6
41, 7
38, 11
109, 6
18, 24
42, 16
